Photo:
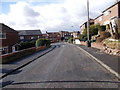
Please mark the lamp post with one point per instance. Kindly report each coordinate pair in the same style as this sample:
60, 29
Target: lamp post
88, 43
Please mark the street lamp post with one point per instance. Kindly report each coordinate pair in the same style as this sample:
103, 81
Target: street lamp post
88, 43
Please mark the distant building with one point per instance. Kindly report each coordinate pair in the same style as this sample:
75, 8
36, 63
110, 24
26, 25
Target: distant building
66, 35
84, 25
76, 34
53, 36
45, 36
8, 39
109, 14
29, 35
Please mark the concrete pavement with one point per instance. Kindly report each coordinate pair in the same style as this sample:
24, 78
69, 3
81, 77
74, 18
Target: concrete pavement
109, 60
64, 67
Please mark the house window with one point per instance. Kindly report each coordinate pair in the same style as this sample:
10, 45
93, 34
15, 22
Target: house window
32, 37
2, 35
100, 18
107, 12
21, 37
3, 50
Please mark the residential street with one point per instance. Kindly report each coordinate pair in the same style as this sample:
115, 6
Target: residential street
64, 67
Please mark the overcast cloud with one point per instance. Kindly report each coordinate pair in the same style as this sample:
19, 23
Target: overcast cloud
51, 16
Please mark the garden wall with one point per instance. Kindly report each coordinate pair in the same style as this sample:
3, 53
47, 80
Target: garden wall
19, 54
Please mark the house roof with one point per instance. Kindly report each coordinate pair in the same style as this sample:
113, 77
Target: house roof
108, 9
98, 16
5, 28
112, 6
29, 32
91, 20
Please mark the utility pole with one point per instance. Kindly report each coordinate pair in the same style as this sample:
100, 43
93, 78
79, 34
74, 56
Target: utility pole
88, 43
88, 24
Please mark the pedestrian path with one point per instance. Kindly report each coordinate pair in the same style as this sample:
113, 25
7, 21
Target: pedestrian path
110, 60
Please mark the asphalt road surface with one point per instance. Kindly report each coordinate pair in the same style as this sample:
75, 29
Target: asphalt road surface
64, 67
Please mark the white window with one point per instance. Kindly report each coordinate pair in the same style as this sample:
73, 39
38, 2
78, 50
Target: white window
107, 12
21, 37
2, 35
32, 37
100, 18
3, 50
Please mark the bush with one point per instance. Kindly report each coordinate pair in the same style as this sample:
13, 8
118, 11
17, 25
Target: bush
81, 37
25, 45
43, 42
71, 40
93, 40
105, 34
101, 27
100, 39
85, 39
93, 30
112, 44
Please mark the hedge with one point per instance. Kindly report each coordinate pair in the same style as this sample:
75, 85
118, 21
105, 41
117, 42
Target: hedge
42, 42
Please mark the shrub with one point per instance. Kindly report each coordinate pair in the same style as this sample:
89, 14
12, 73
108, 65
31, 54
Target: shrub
105, 34
84, 39
32, 43
47, 42
25, 45
81, 37
71, 40
101, 27
100, 39
112, 44
93, 30
43, 42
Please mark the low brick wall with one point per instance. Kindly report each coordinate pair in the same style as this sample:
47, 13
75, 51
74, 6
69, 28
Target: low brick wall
19, 54
40, 48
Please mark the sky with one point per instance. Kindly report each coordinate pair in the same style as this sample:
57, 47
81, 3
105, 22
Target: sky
49, 15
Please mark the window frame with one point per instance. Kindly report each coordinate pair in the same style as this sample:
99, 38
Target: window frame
2, 35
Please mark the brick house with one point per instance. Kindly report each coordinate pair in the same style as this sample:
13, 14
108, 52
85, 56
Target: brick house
53, 36
76, 34
29, 35
109, 14
66, 35
8, 39
44, 36
84, 25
